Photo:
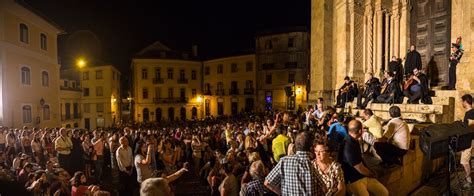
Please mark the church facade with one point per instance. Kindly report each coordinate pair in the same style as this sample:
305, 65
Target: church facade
361, 36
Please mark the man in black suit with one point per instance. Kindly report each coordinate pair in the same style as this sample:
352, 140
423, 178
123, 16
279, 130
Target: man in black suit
347, 92
412, 61
391, 91
371, 91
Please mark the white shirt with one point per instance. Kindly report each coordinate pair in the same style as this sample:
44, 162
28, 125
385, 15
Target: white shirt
398, 133
124, 157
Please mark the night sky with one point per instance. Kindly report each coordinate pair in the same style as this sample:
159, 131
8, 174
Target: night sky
123, 28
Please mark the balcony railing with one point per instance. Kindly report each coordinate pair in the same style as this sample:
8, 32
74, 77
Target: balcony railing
158, 81
220, 92
233, 91
71, 117
70, 88
171, 100
182, 81
249, 91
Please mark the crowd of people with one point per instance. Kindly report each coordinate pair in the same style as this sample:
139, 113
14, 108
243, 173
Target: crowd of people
313, 152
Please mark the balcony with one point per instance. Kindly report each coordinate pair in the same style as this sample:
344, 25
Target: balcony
158, 81
182, 81
207, 92
71, 117
249, 91
70, 89
171, 100
220, 92
233, 91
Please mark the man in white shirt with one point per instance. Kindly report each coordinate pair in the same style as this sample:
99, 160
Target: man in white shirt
63, 146
125, 164
395, 142
3, 135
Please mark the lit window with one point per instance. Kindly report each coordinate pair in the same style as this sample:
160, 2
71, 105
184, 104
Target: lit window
99, 91
100, 107
144, 74
220, 69
85, 75
87, 107
98, 74
170, 73
193, 75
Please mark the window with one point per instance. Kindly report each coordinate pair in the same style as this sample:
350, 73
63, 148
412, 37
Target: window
24, 33
100, 107
98, 74
268, 44
233, 67
43, 41
144, 74
193, 92
99, 91
291, 42
249, 84
207, 88
87, 107
85, 75
26, 111
45, 78
206, 71
291, 77
145, 93
25, 76
220, 86
193, 75
113, 75
75, 110
68, 111
220, 69
181, 74
182, 93
66, 84
268, 79
170, 73
46, 112
86, 92
157, 73
249, 66
170, 93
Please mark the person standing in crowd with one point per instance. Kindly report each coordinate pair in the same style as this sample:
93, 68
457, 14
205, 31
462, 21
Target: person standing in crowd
113, 146
98, 143
87, 149
63, 145
412, 61
196, 146
77, 151
125, 164
468, 122
395, 67
143, 154
395, 142
360, 180
160, 186
328, 170
229, 186
286, 179
3, 138
280, 144
255, 187
457, 50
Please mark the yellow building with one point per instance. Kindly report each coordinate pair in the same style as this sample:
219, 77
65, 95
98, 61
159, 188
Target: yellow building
166, 85
29, 68
229, 85
70, 102
100, 96
282, 62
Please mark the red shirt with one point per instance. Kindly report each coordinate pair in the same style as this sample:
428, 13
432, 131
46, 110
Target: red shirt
78, 191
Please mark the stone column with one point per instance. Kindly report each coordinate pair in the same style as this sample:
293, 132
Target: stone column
404, 29
396, 27
387, 40
355, 68
369, 38
378, 39
321, 59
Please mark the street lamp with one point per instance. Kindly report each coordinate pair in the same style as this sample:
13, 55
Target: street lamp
81, 62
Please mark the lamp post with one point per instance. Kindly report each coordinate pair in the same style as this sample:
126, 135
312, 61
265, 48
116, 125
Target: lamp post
80, 64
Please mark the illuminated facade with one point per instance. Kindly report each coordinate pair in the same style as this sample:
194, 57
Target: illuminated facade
29, 68
229, 85
282, 62
100, 96
70, 103
166, 85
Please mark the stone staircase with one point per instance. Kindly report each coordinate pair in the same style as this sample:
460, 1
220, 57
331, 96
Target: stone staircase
441, 111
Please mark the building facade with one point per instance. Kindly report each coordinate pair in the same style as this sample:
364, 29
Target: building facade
166, 85
100, 96
282, 59
29, 68
229, 85
70, 103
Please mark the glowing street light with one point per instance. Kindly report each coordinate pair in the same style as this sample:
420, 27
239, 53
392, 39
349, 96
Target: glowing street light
81, 63
199, 99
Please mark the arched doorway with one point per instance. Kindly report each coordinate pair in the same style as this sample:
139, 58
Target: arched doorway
183, 114
171, 114
194, 113
146, 115
158, 115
